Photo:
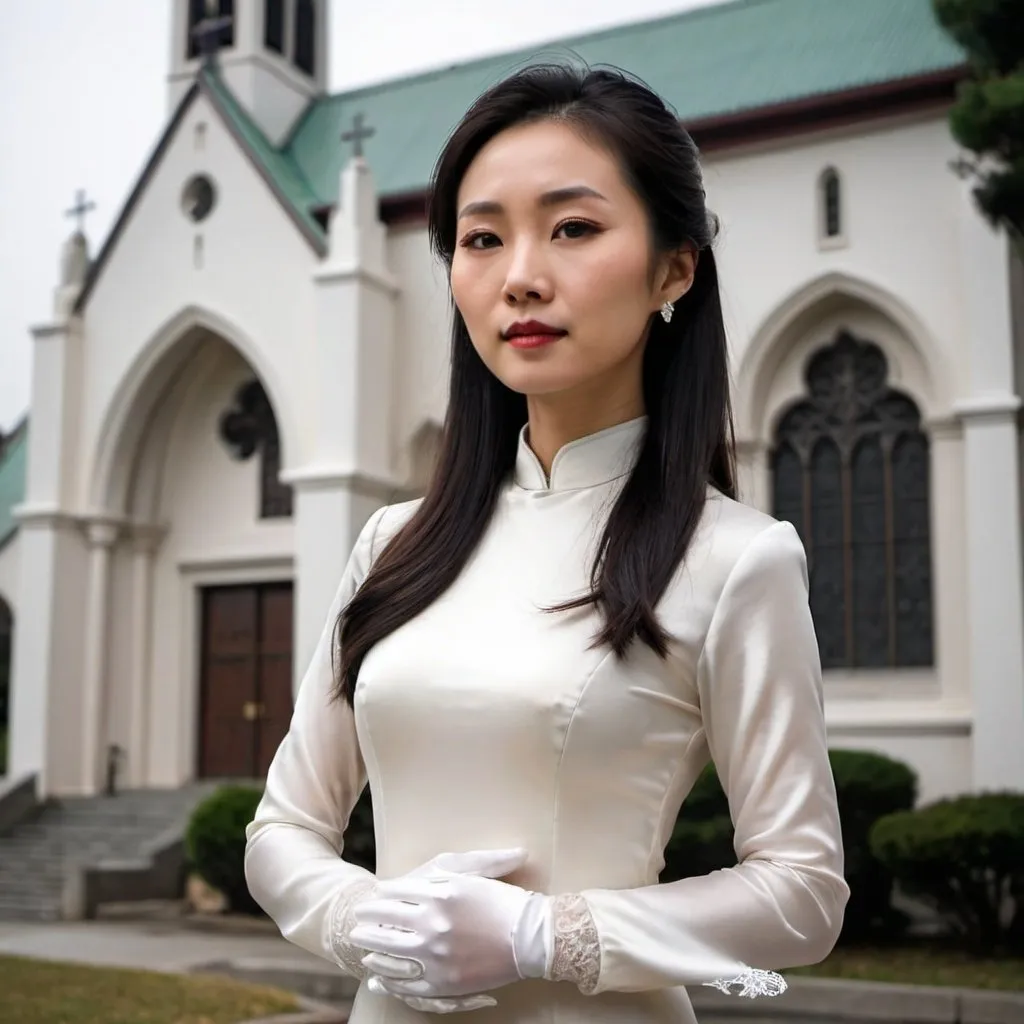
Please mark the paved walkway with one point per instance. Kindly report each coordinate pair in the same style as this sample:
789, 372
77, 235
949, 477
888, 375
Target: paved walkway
150, 945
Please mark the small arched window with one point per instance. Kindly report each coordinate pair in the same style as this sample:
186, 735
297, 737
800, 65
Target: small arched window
851, 473
830, 206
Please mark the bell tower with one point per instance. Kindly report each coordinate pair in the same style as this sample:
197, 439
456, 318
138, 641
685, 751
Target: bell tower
271, 54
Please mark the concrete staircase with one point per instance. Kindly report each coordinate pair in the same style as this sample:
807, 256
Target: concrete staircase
38, 855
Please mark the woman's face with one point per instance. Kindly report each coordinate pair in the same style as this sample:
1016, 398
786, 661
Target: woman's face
548, 231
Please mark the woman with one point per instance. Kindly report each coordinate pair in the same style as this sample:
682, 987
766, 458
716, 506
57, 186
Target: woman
534, 662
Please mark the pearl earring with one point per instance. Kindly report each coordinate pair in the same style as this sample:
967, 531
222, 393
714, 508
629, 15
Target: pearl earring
667, 310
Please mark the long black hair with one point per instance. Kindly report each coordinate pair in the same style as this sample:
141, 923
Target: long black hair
689, 439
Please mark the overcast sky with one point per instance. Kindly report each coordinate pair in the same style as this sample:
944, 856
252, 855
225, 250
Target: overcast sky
83, 100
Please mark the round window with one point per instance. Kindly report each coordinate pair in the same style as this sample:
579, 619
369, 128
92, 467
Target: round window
198, 198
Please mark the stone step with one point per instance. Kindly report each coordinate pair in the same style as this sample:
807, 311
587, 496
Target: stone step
14, 908
34, 857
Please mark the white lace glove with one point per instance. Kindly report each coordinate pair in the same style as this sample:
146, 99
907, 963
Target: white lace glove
349, 954
447, 935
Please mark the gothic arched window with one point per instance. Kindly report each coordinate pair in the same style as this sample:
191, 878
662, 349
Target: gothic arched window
250, 427
850, 470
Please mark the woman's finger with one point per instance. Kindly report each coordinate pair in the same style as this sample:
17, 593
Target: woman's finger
398, 968
383, 940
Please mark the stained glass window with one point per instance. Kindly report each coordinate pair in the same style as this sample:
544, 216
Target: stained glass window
851, 473
250, 427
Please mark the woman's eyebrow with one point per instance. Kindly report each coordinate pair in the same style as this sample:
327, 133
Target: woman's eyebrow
553, 198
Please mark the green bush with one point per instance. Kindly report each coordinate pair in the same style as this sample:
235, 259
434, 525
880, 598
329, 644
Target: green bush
702, 838
215, 843
965, 857
868, 786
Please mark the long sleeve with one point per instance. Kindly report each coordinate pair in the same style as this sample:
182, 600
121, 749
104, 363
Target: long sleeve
759, 681
293, 862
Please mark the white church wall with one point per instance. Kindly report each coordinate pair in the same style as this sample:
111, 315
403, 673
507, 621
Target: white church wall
245, 268
941, 756
900, 204
898, 257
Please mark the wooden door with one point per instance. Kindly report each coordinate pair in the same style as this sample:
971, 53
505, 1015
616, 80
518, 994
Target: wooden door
274, 675
245, 681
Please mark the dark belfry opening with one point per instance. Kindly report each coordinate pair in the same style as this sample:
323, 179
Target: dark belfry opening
273, 25
305, 36
200, 11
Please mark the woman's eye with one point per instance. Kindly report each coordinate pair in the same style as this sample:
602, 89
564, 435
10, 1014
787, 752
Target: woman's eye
481, 240
575, 228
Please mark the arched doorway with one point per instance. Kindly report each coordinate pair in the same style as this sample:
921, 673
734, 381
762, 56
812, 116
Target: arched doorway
197, 678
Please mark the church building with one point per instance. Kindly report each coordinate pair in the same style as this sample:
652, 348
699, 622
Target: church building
256, 359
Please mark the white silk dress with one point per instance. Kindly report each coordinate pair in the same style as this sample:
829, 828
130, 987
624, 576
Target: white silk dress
488, 722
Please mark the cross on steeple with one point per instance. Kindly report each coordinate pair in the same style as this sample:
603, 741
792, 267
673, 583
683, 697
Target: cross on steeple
209, 32
356, 134
80, 209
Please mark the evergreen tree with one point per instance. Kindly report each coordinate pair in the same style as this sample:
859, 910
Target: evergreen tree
988, 116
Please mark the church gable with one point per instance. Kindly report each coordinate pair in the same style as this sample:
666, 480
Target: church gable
283, 179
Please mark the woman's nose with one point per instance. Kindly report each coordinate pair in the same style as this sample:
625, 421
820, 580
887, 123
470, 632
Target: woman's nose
527, 277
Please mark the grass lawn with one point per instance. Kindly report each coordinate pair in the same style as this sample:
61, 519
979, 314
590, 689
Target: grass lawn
919, 965
39, 992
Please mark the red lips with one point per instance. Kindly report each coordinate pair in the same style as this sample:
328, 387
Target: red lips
531, 334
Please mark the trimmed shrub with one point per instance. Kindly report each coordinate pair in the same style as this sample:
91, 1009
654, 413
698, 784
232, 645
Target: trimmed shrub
965, 857
868, 786
215, 843
701, 840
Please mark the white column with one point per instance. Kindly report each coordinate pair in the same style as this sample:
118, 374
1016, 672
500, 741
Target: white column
347, 474
43, 539
101, 537
754, 478
328, 515
952, 636
992, 505
144, 543
996, 653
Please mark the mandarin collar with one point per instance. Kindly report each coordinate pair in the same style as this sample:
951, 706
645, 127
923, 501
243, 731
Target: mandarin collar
586, 462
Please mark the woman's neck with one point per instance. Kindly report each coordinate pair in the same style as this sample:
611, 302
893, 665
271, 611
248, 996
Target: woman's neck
555, 421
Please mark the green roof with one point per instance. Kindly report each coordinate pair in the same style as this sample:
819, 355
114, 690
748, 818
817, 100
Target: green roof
725, 59
277, 165
13, 462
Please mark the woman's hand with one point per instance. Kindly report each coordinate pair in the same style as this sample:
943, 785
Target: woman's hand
444, 935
